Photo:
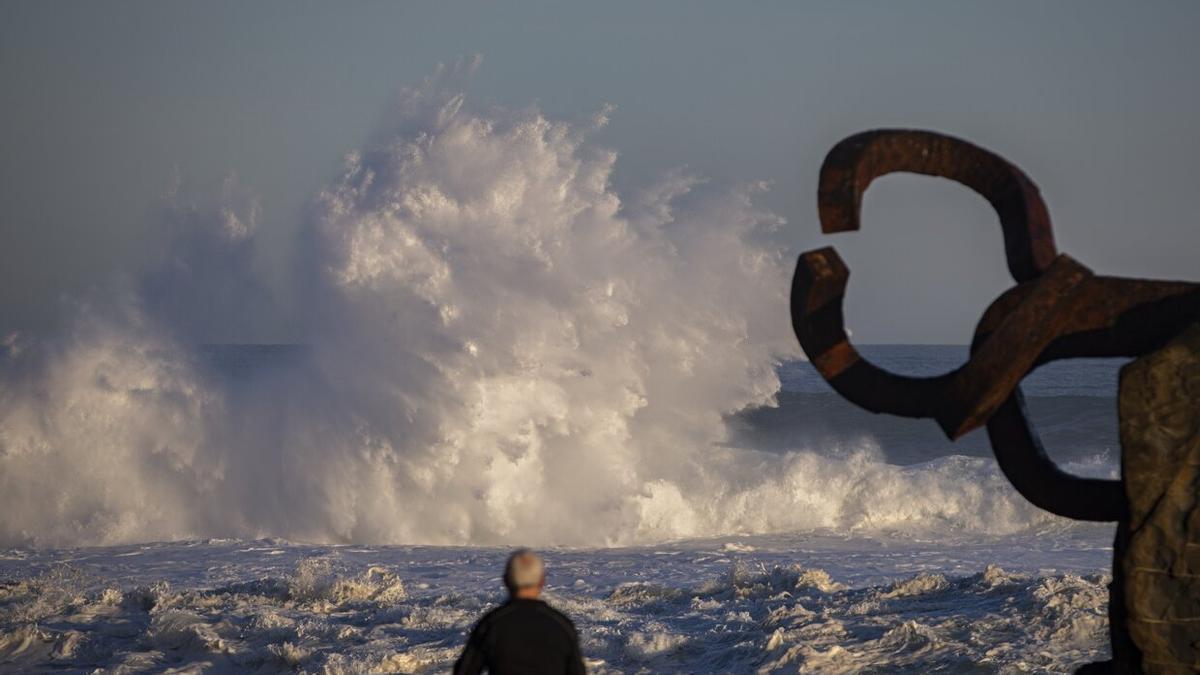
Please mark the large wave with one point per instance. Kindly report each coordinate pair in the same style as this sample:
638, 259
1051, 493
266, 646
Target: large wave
501, 349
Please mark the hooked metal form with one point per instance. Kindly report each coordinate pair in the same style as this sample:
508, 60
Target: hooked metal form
1058, 309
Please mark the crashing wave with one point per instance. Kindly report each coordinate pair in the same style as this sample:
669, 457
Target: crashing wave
500, 347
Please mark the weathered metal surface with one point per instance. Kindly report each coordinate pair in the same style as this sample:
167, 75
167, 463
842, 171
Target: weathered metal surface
1058, 309
856, 161
1158, 555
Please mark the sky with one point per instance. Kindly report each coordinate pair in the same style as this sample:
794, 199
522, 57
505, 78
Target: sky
106, 105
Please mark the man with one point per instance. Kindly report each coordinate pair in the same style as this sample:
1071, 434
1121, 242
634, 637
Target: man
524, 635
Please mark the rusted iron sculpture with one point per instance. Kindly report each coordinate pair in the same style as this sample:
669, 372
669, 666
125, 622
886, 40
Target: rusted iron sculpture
1058, 309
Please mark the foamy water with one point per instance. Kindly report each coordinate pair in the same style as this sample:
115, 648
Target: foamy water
820, 602
500, 349
498, 345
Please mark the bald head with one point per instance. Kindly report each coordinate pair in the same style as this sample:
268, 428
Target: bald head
525, 574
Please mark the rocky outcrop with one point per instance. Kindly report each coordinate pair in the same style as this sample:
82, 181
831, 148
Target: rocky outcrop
1157, 566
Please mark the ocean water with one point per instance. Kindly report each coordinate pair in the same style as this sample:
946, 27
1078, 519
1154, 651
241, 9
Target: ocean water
916, 558
501, 348
1072, 405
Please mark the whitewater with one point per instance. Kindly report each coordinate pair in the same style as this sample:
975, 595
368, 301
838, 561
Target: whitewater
498, 349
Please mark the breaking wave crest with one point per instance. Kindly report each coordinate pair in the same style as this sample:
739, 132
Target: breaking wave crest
500, 348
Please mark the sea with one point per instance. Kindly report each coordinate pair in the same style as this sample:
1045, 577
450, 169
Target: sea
976, 586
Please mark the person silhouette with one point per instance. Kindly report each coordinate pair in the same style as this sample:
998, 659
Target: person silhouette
524, 635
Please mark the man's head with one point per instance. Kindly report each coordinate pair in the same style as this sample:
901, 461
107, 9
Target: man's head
525, 574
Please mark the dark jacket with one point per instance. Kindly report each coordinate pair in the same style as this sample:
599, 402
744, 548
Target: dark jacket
522, 637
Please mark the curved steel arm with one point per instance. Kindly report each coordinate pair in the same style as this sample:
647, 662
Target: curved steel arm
1024, 462
960, 400
1057, 310
855, 162
1114, 318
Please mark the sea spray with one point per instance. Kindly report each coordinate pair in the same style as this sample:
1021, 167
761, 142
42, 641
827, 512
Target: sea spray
501, 348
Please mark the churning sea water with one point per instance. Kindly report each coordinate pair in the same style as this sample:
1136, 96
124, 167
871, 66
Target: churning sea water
504, 349
914, 556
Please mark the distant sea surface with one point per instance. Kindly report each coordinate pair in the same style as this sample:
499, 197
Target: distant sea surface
1072, 404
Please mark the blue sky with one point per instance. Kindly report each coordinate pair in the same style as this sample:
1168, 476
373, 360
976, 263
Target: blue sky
104, 102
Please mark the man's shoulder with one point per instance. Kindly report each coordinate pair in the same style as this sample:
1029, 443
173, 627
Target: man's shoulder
521, 611
560, 618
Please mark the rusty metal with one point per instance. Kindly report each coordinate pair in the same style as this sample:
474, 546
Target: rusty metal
853, 163
1057, 310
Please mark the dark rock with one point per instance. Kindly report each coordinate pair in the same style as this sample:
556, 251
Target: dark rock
1158, 552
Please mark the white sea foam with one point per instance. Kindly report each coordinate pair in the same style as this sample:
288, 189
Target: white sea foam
502, 349
225, 607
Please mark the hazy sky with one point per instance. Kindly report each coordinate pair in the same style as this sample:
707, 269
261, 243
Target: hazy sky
1099, 102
